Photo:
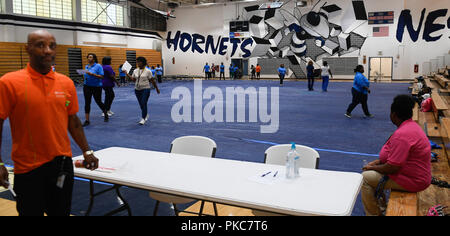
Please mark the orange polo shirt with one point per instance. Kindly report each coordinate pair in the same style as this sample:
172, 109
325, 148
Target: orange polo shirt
38, 107
258, 69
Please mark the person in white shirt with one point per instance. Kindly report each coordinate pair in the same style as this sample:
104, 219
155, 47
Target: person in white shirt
326, 73
143, 78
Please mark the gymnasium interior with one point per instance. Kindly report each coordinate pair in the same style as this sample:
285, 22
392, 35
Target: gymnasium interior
402, 45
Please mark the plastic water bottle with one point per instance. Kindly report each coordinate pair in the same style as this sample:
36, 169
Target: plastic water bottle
292, 163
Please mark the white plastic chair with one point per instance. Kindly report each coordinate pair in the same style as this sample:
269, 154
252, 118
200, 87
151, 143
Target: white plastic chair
187, 145
276, 155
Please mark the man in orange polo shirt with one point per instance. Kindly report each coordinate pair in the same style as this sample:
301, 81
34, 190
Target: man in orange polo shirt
258, 71
42, 107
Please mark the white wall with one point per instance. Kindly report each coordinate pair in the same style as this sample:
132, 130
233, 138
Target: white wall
76, 35
204, 21
421, 51
214, 20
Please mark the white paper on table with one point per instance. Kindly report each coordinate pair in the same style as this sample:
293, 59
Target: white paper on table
126, 66
82, 72
106, 169
267, 179
110, 167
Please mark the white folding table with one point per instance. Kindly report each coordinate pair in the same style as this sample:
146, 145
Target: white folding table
315, 192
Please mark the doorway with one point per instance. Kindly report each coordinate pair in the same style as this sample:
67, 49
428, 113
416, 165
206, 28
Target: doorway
242, 64
380, 69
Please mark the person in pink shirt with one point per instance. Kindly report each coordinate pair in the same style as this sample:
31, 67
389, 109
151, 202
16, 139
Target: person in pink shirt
427, 103
404, 161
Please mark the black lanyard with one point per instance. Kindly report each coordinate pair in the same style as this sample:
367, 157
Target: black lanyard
139, 78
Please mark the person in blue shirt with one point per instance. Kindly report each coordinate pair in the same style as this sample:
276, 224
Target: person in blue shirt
122, 75
310, 75
236, 72
281, 73
222, 71
231, 69
360, 91
159, 73
206, 69
153, 70
93, 87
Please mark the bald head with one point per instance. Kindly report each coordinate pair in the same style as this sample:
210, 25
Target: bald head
37, 34
41, 48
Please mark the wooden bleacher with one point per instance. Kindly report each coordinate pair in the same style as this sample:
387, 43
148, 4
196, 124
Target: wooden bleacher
442, 80
439, 106
416, 113
436, 124
14, 56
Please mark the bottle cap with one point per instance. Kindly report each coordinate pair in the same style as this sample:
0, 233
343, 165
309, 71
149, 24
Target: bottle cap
293, 146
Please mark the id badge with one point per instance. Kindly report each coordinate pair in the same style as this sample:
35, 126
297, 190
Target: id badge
60, 180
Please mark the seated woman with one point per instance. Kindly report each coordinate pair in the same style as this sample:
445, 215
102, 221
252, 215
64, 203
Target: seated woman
405, 159
427, 103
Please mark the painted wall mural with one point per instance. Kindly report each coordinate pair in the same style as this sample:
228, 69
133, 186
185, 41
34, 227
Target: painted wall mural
288, 33
285, 33
293, 35
280, 33
298, 34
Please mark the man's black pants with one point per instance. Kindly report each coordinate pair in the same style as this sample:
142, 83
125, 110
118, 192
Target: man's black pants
37, 191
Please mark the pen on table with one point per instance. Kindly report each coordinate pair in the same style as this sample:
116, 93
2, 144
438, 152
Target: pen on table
275, 175
266, 174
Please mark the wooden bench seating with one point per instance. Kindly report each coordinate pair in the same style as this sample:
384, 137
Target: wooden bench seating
416, 113
438, 102
402, 204
434, 195
429, 83
441, 80
447, 90
414, 89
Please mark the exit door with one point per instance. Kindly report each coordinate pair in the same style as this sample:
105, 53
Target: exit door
242, 64
380, 69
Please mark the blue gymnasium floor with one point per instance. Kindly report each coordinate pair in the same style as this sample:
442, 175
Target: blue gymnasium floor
313, 119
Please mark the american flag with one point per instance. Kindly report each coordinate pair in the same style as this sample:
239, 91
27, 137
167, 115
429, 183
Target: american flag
382, 31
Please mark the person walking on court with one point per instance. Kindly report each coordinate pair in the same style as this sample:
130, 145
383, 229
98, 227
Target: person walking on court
222, 71
310, 75
42, 107
360, 91
144, 80
93, 87
326, 73
108, 81
159, 73
206, 69
258, 71
281, 73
